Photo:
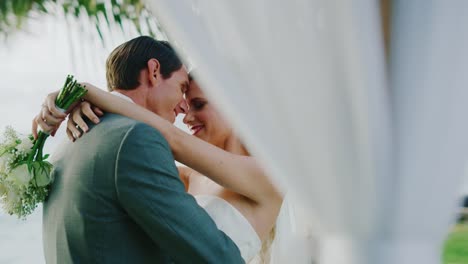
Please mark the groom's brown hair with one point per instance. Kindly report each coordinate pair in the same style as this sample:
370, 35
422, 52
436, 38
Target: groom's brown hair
124, 64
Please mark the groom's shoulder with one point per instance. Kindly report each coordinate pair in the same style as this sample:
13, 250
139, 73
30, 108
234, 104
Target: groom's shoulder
114, 121
132, 128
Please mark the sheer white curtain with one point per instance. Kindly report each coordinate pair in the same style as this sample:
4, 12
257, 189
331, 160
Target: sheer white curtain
305, 84
429, 81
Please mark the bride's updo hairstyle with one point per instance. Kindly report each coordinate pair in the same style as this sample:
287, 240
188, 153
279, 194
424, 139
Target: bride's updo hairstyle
124, 64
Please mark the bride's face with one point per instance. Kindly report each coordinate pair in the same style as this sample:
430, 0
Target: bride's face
203, 120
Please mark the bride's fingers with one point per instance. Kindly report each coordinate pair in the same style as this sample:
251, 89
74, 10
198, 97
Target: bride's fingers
70, 135
49, 118
50, 103
98, 111
89, 113
78, 120
44, 126
73, 129
34, 127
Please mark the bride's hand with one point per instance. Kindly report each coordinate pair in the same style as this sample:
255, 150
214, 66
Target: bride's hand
49, 118
76, 123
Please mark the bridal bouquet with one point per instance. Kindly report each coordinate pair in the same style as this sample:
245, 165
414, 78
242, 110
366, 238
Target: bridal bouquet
25, 175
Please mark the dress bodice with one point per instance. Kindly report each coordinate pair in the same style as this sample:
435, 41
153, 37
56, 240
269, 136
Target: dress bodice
229, 220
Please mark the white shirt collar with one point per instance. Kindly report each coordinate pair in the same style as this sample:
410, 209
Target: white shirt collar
122, 96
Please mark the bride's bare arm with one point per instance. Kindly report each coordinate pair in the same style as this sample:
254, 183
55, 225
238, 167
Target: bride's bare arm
241, 174
184, 174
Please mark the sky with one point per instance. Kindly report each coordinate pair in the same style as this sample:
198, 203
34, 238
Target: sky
33, 63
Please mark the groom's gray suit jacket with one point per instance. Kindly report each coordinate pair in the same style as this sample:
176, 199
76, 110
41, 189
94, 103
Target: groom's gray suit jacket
117, 198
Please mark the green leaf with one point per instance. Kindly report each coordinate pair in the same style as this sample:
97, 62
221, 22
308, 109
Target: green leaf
13, 13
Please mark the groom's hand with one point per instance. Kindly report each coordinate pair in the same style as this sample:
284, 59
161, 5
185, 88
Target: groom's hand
76, 123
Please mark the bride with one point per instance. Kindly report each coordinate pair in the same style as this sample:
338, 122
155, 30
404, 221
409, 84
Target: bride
222, 175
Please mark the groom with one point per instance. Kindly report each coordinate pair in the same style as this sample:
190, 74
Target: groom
117, 197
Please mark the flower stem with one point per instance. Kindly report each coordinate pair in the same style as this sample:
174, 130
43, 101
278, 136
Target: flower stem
38, 147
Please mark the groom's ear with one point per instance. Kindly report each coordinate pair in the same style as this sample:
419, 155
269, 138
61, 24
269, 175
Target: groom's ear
154, 73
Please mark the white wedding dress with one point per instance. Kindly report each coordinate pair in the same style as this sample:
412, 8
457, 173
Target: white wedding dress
293, 243
229, 220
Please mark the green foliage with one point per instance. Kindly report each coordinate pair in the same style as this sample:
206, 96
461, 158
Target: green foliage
13, 13
456, 246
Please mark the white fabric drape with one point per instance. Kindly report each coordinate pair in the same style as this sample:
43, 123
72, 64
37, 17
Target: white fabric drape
305, 84
429, 83
295, 240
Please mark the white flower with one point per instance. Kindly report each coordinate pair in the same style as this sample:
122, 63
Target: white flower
10, 137
42, 174
25, 147
11, 201
20, 175
5, 162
